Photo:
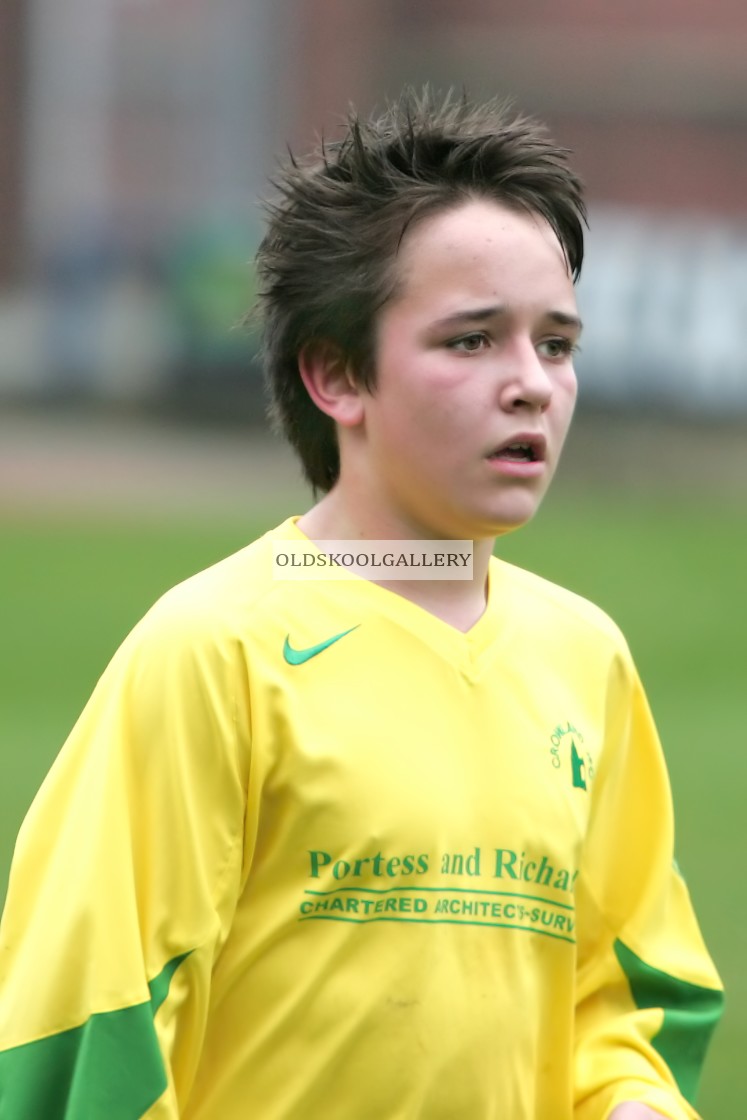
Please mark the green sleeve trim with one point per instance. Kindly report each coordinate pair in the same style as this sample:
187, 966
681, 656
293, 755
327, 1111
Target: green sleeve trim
690, 1015
159, 986
111, 1066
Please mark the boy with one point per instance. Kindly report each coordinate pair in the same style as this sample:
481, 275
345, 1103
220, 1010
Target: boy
367, 849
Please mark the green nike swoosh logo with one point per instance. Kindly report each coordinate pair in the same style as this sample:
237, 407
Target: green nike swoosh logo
298, 656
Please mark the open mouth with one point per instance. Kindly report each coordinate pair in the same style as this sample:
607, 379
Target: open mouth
517, 452
521, 451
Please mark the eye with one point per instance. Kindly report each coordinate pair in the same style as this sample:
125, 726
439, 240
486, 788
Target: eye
560, 347
468, 343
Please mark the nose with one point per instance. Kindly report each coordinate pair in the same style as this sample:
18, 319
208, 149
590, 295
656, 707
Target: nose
526, 382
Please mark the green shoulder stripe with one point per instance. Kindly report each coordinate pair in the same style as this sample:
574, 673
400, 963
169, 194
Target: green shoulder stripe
111, 1066
690, 1015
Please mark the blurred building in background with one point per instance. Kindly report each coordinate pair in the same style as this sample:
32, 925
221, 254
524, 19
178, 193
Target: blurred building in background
138, 135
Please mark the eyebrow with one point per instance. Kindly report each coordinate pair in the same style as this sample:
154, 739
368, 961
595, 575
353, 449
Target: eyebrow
482, 314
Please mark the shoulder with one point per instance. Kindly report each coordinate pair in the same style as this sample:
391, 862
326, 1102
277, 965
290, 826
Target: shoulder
217, 608
557, 613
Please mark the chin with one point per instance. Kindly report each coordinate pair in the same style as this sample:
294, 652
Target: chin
486, 527
460, 520
509, 520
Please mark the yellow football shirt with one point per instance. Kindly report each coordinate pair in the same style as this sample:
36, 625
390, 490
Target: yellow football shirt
310, 852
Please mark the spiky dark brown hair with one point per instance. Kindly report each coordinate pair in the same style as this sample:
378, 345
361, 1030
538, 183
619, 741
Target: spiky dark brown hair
326, 265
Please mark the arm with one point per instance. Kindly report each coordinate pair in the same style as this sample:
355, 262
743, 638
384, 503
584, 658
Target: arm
648, 996
123, 885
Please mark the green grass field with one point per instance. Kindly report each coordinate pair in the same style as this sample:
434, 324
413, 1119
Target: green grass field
674, 582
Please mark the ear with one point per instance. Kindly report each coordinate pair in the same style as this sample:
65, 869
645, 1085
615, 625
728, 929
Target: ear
330, 383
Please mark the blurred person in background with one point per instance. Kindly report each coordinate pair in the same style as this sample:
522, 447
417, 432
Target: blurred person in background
358, 847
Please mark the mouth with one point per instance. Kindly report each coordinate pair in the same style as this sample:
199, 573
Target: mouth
524, 449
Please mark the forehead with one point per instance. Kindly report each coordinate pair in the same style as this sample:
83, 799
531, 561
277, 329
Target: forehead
482, 247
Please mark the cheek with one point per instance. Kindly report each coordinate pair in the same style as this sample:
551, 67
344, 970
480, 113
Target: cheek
566, 391
569, 384
561, 413
444, 425
426, 403
422, 413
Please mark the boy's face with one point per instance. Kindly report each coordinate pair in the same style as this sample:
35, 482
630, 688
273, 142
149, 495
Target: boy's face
475, 384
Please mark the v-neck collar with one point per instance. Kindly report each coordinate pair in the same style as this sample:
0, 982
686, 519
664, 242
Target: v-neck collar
467, 651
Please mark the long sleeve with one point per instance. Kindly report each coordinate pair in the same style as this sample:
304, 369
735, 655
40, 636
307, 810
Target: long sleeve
648, 996
124, 881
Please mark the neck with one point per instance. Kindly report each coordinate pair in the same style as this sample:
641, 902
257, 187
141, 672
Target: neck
460, 603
